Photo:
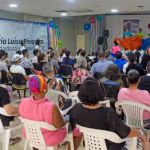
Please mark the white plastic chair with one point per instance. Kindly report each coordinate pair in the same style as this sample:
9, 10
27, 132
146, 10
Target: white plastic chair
133, 112
74, 96
95, 139
53, 95
34, 136
6, 131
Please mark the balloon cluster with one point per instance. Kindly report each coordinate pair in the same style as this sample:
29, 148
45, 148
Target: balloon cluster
87, 26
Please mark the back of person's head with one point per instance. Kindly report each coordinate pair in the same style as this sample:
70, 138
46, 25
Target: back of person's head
41, 58
62, 52
48, 68
101, 54
79, 51
22, 43
19, 52
131, 57
148, 67
113, 73
118, 55
37, 84
67, 53
2, 53
35, 52
91, 92
116, 43
83, 53
24, 52
37, 42
133, 76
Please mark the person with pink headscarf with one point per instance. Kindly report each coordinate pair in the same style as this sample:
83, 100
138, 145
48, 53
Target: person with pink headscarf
39, 108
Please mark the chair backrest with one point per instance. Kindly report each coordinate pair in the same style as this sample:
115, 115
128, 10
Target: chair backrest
133, 112
74, 96
34, 134
66, 70
54, 96
18, 79
111, 89
95, 139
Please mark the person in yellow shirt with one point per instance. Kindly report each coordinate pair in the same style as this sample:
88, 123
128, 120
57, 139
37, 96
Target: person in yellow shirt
140, 33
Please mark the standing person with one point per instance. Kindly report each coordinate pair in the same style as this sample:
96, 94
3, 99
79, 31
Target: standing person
101, 65
116, 48
37, 46
140, 33
39, 108
62, 55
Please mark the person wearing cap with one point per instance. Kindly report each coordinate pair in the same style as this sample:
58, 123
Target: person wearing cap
16, 67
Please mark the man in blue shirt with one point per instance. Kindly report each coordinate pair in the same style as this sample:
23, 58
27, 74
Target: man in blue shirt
101, 65
120, 62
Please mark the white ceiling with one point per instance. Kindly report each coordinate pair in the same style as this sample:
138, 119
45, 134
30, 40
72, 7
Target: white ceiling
48, 7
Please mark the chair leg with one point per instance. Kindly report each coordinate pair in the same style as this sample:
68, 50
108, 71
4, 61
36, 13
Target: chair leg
26, 145
19, 94
25, 93
6, 139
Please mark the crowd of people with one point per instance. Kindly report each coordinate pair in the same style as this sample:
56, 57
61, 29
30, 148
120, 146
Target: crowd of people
88, 75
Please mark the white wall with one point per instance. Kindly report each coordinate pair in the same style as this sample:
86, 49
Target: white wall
114, 23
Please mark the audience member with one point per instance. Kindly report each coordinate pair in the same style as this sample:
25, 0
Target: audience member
120, 62
99, 117
68, 60
101, 65
22, 46
81, 60
145, 80
133, 65
113, 74
145, 58
51, 60
47, 111
115, 48
36, 53
62, 55
108, 55
78, 53
133, 93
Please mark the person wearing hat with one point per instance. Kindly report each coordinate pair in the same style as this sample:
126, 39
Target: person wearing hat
16, 67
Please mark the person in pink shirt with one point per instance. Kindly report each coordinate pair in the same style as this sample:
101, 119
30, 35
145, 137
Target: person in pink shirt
39, 108
115, 48
134, 94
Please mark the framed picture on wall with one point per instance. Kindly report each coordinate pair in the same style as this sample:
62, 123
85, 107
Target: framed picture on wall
131, 26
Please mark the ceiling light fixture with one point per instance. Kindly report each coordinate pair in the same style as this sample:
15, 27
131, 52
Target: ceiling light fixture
114, 10
13, 5
64, 14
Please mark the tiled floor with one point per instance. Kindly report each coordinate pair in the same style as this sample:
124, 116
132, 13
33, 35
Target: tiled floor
20, 145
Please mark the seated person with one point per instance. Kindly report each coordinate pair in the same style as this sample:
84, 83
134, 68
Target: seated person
16, 67
133, 93
68, 60
41, 62
145, 58
133, 65
36, 53
120, 62
144, 83
99, 117
5, 103
108, 55
101, 65
113, 74
47, 111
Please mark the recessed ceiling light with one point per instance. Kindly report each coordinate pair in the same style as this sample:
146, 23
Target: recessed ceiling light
13, 5
114, 10
64, 14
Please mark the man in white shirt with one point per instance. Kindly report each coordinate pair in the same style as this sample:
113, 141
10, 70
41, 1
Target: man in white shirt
22, 46
17, 68
35, 58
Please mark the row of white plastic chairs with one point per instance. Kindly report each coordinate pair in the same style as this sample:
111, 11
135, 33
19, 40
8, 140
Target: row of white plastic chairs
134, 118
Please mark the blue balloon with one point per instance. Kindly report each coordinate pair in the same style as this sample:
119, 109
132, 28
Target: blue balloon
51, 24
87, 26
